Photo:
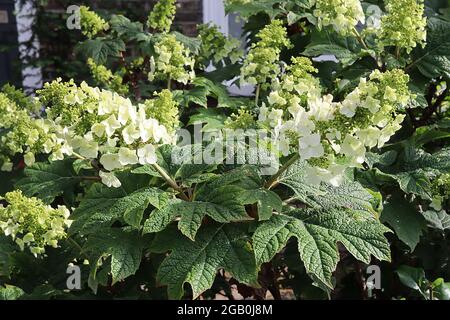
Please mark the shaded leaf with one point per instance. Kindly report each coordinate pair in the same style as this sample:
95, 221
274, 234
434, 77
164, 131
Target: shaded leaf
404, 218
217, 246
437, 220
318, 233
434, 60
125, 249
48, 180
99, 49
102, 205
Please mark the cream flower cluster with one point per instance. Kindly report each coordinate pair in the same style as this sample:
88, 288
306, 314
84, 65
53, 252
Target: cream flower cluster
342, 15
162, 15
333, 135
216, 47
91, 23
119, 133
31, 223
99, 124
105, 77
91, 123
404, 24
173, 61
261, 65
20, 133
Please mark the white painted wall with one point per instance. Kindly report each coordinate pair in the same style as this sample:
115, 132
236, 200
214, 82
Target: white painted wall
32, 76
214, 12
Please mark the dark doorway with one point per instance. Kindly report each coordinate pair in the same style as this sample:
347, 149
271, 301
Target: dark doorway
9, 54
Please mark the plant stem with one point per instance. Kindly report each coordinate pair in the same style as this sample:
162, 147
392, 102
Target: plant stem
360, 39
169, 83
258, 89
79, 156
94, 178
431, 109
273, 181
170, 181
76, 245
364, 44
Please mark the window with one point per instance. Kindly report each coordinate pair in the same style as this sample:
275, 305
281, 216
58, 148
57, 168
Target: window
214, 12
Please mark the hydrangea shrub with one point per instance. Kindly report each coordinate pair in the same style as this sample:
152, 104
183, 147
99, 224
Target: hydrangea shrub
151, 173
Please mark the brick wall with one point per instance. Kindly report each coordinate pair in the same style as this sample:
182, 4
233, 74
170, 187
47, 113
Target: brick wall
189, 12
57, 43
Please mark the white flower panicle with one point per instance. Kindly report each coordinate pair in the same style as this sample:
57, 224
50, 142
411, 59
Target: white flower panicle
173, 61
333, 135
22, 134
342, 15
262, 63
404, 25
106, 126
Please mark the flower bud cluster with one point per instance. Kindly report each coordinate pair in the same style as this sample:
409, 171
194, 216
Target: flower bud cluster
261, 65
216, 47
342, 15
162, 15
404, 24
31, 223
91, 23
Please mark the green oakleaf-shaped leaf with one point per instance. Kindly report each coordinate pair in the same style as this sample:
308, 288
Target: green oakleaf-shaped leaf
267, 201
346, 50
124, 27
211, 117
434, 60
197, 95
48, 180
102, 205
437, 220
217, 246
419, 159
385, 159
193, 44
348, 195
99, 49
223, 199
318, 233
125, 249
221, 204
416, 182
247, 9
10, 292
405, 219
204, 88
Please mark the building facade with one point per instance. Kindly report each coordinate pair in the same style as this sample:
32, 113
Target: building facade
47, 52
